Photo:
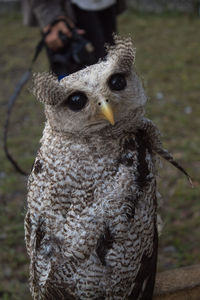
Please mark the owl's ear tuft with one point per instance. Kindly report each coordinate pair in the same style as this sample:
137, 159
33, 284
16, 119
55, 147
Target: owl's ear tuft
47, 89
122, 52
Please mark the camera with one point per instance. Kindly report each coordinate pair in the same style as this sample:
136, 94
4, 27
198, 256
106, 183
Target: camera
76, 53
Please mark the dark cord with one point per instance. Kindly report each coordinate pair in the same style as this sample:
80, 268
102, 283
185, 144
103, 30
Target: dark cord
12, 102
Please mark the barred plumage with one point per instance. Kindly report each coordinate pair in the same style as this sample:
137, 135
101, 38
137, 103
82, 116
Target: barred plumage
91, 229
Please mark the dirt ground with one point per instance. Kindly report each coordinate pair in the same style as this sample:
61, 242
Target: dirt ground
168, 60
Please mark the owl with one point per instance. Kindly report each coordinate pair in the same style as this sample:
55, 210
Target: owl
91, 221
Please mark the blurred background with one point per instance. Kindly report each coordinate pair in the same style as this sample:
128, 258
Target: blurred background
166, 37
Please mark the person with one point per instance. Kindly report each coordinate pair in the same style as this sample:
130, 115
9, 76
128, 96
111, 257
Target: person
94, 20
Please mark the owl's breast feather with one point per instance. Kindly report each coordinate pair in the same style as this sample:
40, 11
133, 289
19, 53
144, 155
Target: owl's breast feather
91, 196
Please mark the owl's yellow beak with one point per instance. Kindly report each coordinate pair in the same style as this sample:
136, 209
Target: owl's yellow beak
106, 110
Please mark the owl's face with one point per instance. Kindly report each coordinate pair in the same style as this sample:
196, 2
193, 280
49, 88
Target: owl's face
98, 96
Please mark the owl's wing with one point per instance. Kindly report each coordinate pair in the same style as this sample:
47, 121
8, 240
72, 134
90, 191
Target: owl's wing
154, 138
39, 252
27, 228
145, 279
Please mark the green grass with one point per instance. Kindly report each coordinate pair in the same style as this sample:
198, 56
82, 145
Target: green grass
167, 59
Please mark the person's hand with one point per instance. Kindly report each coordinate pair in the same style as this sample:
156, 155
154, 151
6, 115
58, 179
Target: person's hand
52, 39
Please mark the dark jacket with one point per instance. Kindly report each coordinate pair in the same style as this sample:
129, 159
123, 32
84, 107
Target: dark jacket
43, 12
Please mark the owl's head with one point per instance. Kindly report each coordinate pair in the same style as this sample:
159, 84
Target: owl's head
96, 97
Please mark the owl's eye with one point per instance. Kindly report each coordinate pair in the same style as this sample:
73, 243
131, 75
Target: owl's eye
76, 101
117, 82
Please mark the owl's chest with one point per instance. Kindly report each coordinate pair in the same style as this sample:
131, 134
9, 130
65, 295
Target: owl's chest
95, 165
128, 158
81, 174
